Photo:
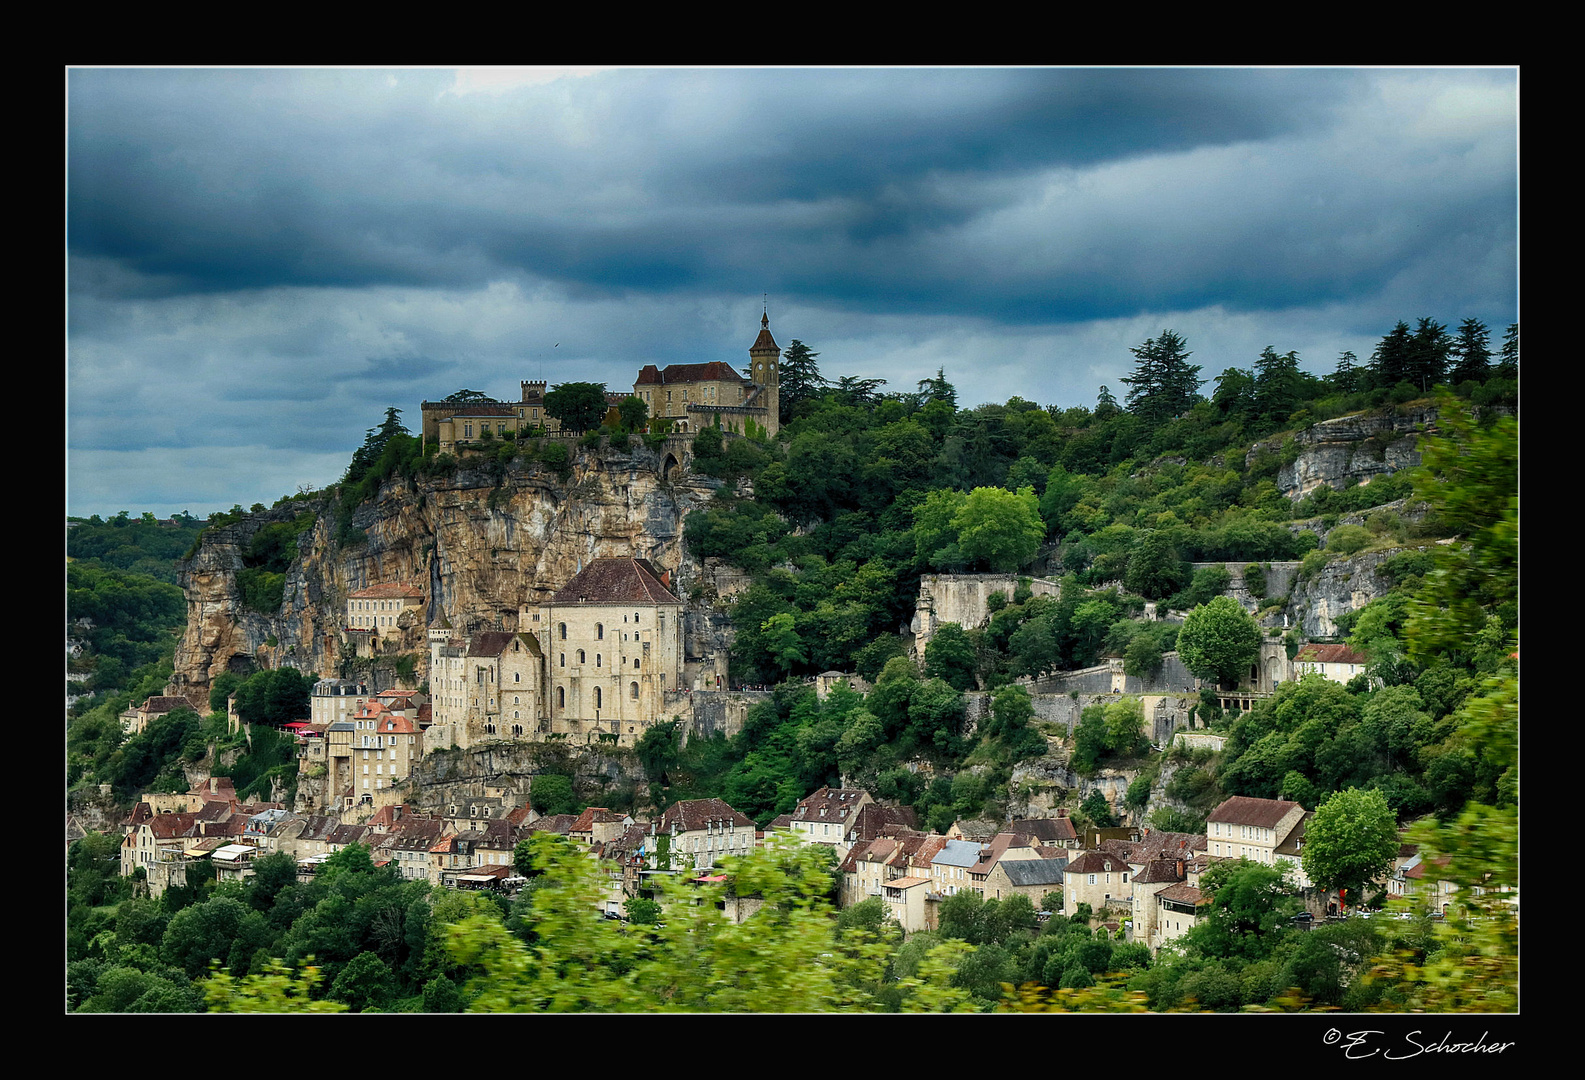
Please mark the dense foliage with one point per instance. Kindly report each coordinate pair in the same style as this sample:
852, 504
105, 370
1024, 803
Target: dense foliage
862, 492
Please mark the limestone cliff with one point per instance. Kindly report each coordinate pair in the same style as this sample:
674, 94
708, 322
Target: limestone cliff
1349, 449
481, 550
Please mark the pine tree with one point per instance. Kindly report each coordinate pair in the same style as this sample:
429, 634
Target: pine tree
1428, 352
1348, 377
1164, 383
1276, 384
1106, 405
374, 443
800, 378
1509, 367
1389, 364
1473, 349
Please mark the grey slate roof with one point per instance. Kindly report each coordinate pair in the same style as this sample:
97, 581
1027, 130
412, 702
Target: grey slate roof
959, 853
1035, 871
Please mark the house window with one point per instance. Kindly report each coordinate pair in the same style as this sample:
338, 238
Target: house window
562, 630
632, 690
580, 656
599, 632
596, 697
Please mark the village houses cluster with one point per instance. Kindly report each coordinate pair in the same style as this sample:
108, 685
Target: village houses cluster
1139, 883
602, 661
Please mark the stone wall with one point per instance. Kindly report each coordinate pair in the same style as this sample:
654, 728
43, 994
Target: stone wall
721, 711
964, 599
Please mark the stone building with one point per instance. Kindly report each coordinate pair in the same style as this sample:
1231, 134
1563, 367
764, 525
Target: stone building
691, 396
612, 641
373, 615
715, 394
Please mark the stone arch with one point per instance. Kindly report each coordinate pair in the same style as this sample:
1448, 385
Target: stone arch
668, 465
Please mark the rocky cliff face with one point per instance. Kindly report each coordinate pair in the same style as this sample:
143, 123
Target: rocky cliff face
1341, 586
1350, 449
480, 552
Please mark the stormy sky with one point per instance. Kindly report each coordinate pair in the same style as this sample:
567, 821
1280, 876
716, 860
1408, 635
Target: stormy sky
260, 262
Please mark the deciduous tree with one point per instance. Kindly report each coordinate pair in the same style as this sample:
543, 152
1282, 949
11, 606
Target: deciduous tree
1219, 640
578, 405
1350, 842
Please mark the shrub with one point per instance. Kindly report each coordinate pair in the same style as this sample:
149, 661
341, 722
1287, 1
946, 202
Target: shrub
1347, 539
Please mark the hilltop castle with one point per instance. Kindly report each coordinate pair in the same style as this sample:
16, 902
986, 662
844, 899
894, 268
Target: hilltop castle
691, 396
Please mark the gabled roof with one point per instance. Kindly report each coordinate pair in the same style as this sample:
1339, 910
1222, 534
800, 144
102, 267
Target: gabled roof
623, 580
1330, 654
992, 852
713, 371
1097, 862
1034, 871
1245, 810
829, 804
490, 642
1046, 830
560, 824
586, 820
695, 814
390, 590
172, 826
1159, 870
1183, 894
958, 853
874, 818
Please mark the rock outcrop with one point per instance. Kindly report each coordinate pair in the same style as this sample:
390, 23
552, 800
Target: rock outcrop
1350, 449
482, 546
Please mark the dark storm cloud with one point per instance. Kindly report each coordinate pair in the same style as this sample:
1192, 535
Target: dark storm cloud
272, 258
228, 180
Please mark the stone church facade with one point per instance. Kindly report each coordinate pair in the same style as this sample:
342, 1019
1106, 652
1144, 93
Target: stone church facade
598, 661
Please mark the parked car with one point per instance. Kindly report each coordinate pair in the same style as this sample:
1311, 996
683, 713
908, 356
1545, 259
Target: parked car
1303, 917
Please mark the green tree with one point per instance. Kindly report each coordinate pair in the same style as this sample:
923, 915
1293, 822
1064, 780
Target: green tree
1155, 570
1470, 477
634, 414
552, 793
275, 697
1164, 383
1390, 362
1473, 349
374, 443
579, 406
951, 656
1249, 910
800, 378
782, 642
365, 983
1277, 384
279, 990
1350, 842
999, 529
1219, 640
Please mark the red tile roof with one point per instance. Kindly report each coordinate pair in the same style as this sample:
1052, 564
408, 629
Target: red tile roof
714, 371
390, 590
695, 814
1330, 654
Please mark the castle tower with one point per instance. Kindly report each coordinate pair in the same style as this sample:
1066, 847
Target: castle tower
764, 370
